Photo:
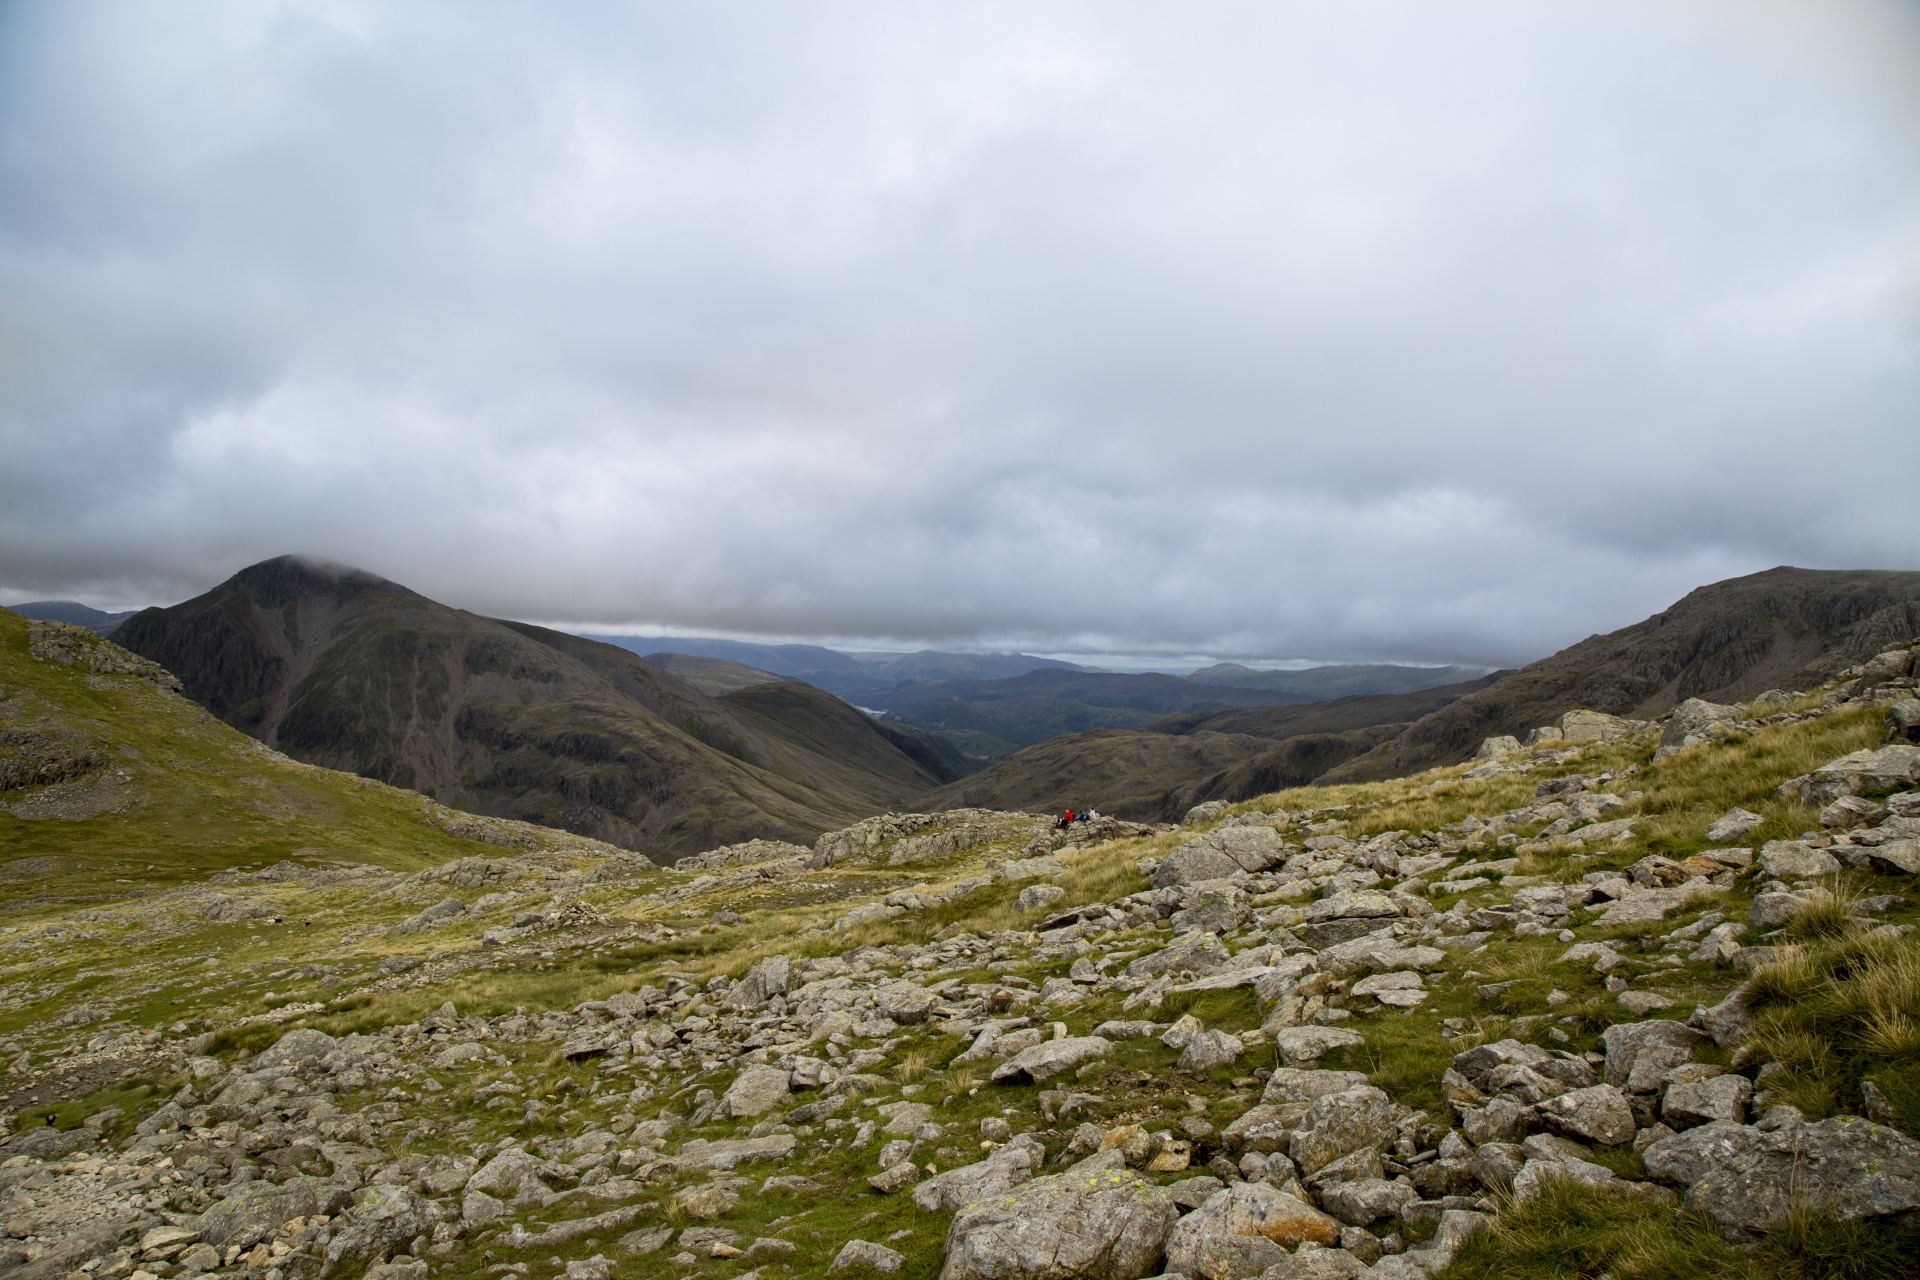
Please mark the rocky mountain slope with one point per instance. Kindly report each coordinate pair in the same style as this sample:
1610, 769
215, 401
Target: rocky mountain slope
1637, 996
338, 667
1785, 628
711, 676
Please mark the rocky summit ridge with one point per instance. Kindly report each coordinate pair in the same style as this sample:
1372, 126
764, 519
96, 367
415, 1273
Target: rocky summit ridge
1614, 984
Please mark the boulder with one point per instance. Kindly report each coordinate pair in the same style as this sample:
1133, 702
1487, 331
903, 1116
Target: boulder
1364, 1201
865, 1255
1889, 768
1594, 726
384, 1220
1498, 745
1792, 860
1363, 904
1685, 1158
1095, 1221
256, 1209
771, 977
1192, 862
1038, 897
1004, 1168
295, 1047
1198, 951
1031, 869
728, 1153
1693, 722
1850, 1168
1050, 1058
756, 1091
1291, 1084
438, 914
1211, 1050
1243, 1230
1598, 1114
1689, 1103
1623, 1042
1301, 1045
1216, 908
904, 1001
1339, 1123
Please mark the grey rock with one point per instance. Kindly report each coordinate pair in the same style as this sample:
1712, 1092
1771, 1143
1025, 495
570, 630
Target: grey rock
1051, 1058
296, 1047
384, 1219
1685, 1158
1340, 1123
771, 977
1599, 1114
1243, 1230
1005, 1168
1496, 1163
1316, 1264
1792, 860
1851, 1168
1292, 1084
904, 1002
1693, 720
1734, 824
1215, 908
255, 1211
1038, 897
1302, 1045
1365, 1201
1690, 1103
1199, 951
1623, 1042
1192, 862
1211, 1050
1095, 1221
864, 1255
438, 914
756, 1091
1364, 904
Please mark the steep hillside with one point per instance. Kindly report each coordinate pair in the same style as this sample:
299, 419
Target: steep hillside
1123, 772
109, 778
711, 676
341, 668
1045, 704
1137, 774
1336, 715
1345, 681
1784, 628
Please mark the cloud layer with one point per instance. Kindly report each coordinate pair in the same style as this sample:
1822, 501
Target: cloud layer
1304, 329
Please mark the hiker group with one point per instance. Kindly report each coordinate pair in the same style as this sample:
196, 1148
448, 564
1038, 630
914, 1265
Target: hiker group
1070, 817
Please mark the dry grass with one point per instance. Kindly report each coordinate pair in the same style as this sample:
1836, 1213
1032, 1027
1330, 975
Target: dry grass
1839, 1010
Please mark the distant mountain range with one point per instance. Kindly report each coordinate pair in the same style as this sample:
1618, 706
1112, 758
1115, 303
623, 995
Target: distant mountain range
678, 751
858, 677
1335, 681
79, 615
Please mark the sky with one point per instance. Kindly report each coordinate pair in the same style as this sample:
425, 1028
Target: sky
1351, 330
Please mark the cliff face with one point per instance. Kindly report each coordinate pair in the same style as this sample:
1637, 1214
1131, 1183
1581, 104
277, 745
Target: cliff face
1784, 628
339, 667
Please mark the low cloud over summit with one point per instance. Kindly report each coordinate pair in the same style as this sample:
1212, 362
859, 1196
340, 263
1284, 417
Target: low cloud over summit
1383, 331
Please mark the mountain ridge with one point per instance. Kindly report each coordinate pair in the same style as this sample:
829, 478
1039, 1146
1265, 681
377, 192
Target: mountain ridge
342, 668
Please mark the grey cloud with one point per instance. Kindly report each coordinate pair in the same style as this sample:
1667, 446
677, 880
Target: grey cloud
1261, 330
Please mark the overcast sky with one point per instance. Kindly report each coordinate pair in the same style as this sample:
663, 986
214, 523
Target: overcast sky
1339, 330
